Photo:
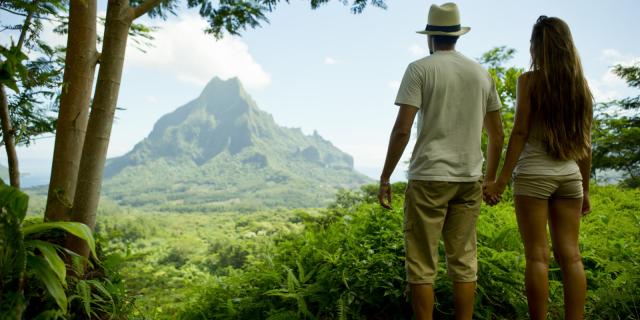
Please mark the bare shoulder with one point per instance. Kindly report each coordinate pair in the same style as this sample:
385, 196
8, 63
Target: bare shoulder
524, 82
525, 77
523, 91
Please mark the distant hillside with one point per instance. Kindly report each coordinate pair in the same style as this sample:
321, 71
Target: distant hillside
4, 174
221, 152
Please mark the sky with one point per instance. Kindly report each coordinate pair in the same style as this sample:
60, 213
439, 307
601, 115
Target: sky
335, 72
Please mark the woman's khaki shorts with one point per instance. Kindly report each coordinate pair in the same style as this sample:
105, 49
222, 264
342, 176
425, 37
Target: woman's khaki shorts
545, 187
433, 208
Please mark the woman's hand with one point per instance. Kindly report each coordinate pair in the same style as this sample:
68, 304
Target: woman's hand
586, 204
492, 192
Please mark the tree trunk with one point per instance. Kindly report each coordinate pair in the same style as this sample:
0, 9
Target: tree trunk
9, 139
80, 64
94, 153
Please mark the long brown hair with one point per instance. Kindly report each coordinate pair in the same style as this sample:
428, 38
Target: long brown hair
560, 95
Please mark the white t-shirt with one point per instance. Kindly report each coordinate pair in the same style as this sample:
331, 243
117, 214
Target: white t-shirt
453, 94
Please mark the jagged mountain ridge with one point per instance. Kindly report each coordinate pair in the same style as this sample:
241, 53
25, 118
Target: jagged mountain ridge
220, 151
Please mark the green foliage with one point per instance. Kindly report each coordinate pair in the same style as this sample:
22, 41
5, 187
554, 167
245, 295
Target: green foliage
33, 276
610, 253
31, 107
79, 230
11, 66
48, 266
167, 257
506, 81
616, 134
42, 270
32, 69
233, 17
20, 253
505, 78
13, 257
93, 298
348, 263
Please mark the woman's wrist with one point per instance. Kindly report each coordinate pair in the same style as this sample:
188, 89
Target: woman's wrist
501, 182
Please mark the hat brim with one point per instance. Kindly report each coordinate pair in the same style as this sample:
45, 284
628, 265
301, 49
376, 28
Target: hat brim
462, 31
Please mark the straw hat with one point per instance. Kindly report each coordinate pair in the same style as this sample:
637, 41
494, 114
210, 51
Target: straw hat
444, 20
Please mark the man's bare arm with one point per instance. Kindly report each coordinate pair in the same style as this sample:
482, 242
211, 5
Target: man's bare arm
397, 143
399, 138
493, 125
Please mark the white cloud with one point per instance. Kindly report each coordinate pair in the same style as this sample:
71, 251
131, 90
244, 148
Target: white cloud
330, 60
418, 51
609, 86
395, 85
614, 56
151, 99
602, 92
181, 47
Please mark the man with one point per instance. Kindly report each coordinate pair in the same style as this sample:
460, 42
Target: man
453, 96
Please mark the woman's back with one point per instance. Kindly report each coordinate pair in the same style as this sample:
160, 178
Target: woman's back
535, 159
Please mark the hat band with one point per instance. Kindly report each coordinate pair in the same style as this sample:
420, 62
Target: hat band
443, 28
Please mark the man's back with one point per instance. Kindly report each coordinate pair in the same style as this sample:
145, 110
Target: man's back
452, 97
453, 94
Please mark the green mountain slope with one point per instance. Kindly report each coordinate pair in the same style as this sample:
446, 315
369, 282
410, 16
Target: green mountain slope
4, 173
221, 152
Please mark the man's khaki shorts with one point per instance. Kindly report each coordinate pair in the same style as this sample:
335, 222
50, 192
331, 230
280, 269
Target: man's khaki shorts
545, 187
433, 208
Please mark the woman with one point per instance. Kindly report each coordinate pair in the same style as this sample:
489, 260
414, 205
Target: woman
550, 150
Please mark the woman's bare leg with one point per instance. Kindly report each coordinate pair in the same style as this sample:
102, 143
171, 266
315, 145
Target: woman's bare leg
564, 223
532, 216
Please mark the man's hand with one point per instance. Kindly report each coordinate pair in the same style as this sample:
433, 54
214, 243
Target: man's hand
384, 194
586, 204
492, 192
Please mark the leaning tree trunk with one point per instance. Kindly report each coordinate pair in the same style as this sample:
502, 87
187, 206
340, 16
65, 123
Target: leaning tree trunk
9, 139
94, 153
80, 64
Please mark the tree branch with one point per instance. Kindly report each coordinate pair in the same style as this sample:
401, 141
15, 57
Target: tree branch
144, 8
24, 15
14, 12
25, 25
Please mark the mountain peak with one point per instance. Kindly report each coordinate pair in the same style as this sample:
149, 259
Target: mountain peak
219, 87
224, 119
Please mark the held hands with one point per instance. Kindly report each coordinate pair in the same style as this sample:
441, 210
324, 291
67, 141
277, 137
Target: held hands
492, 192
384, 194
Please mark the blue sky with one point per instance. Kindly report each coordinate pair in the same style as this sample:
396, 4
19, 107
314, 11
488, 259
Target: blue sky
337, 73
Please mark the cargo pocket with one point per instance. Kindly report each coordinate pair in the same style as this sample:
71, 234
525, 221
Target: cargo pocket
407, 223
